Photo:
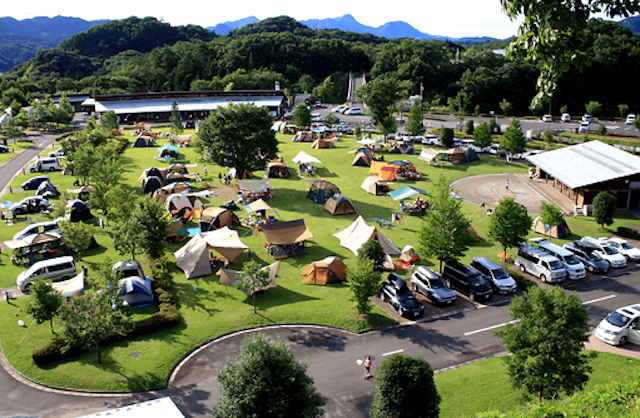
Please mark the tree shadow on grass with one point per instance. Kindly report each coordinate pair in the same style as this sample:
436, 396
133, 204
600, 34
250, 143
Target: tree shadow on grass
277, 296
325, 172
192, 296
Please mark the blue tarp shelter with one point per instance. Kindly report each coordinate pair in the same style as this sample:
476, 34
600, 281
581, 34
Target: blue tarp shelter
406, 192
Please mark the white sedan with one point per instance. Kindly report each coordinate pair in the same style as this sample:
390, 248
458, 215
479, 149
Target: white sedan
627, 250
353, 111
621, 326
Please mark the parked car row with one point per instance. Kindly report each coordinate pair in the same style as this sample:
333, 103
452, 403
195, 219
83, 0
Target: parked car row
346, 110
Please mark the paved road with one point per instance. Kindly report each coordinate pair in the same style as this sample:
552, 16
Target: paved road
14, 166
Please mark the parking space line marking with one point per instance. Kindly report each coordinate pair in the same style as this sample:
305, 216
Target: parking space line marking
599, 299
392, 352
491, 327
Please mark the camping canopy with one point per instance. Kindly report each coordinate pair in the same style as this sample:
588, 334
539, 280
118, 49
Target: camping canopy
321, 190
304, 158
259, 205
339, 204
193, 257
329, 270
375, 185
359, 232
286, 239
428, 154
71, 287
406, 192
229, 277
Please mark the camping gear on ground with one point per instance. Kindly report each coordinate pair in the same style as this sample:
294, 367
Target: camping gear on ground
402, 148
194, 259
339, 204
558, 231
77, 210
375, 185
250, 190
417, 207
176, 231
303, 136
323, 143
286, 239
71, 287
355, 235
383, 170
229, 277
215, 218
277, 169
231, 205
329, 270
161, 194
47, 189
137, 291
321, 190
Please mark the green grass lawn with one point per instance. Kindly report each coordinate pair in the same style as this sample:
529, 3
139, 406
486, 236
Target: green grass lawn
209, 309
15, 150
484, 386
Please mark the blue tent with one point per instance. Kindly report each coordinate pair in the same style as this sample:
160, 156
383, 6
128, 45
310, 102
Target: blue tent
406, 192
137, 291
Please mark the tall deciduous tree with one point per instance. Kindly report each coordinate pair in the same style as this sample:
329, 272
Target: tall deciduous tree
109, 121
509, 223
325, 91
482, 135
302, 115
95, 316
405, 389
239, 136
77, 235
593, 108
176, 119
414, 126
45, 302
364, 283
128, 236
551, 214
513, 140
266, 381
446, 137
547, 341
381, 95
152, 218
252, 278
604, 204
444, 232
372, 250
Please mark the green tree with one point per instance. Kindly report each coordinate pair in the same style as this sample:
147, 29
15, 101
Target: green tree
494, 126
77, 235
152, 217
266, 381
482, 136
120, 207
593, 108
381, 95
444, 232
602, 130
446, 137
506, 106
128, 235
623, 109
109, 121
414, 126
372, 250
12, 130
331, 119
95, 316
469, 127
546, 339
325, 91
551, 214
513, 140
364, 282
302, 116
551, 34
176, 119
252, 279
405, 389
45, 302
65, 111
604, 205
239, 136
305, 83
509, 224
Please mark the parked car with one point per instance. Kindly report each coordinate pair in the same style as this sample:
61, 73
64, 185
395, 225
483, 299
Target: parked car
604, 250
339, 109
627, 250
592, 261
129, 268
565, 117
620, 326
540, 264
4, 149
429, 283
547, 118
44, 164
466, 280
30, 204
316, 117
495, 275
396, 292
34, 182
54, 269
353, 111
586, 118
57, 153
584, 127
38, 228
575, 269
631, 118
343, 127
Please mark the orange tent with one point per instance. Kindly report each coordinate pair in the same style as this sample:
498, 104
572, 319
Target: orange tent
384, 170
329, 270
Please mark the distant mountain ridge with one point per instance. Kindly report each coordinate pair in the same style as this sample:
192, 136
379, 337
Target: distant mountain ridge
47, 31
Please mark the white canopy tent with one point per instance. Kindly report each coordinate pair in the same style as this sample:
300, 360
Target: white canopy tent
304, 158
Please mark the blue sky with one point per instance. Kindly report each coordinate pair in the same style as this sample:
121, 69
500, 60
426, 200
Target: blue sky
454, 18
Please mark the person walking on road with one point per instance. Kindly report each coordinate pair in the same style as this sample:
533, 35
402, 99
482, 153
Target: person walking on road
367, 368
507, 185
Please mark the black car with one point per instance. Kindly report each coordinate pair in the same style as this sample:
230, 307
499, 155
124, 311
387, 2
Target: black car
467, 280
3, 149
34, 182
592, 261
396, 292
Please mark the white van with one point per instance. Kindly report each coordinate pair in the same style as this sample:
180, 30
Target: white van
540, 264
631, 118
55, 269
575, 268
45, 164
604, 250
621, 326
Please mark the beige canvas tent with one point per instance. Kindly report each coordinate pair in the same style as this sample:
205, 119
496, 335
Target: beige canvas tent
229, 277
323, 143
558, 231
329, 270
303, 136
71, 287
193, 258
215, 218
180, 204
339, 204
162, 193
375, 185
286, 239
363, 159
355, 235
259, 205
428, 154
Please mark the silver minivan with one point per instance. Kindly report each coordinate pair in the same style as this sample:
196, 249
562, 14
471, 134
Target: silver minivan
575, 268
540, 264
54, 269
